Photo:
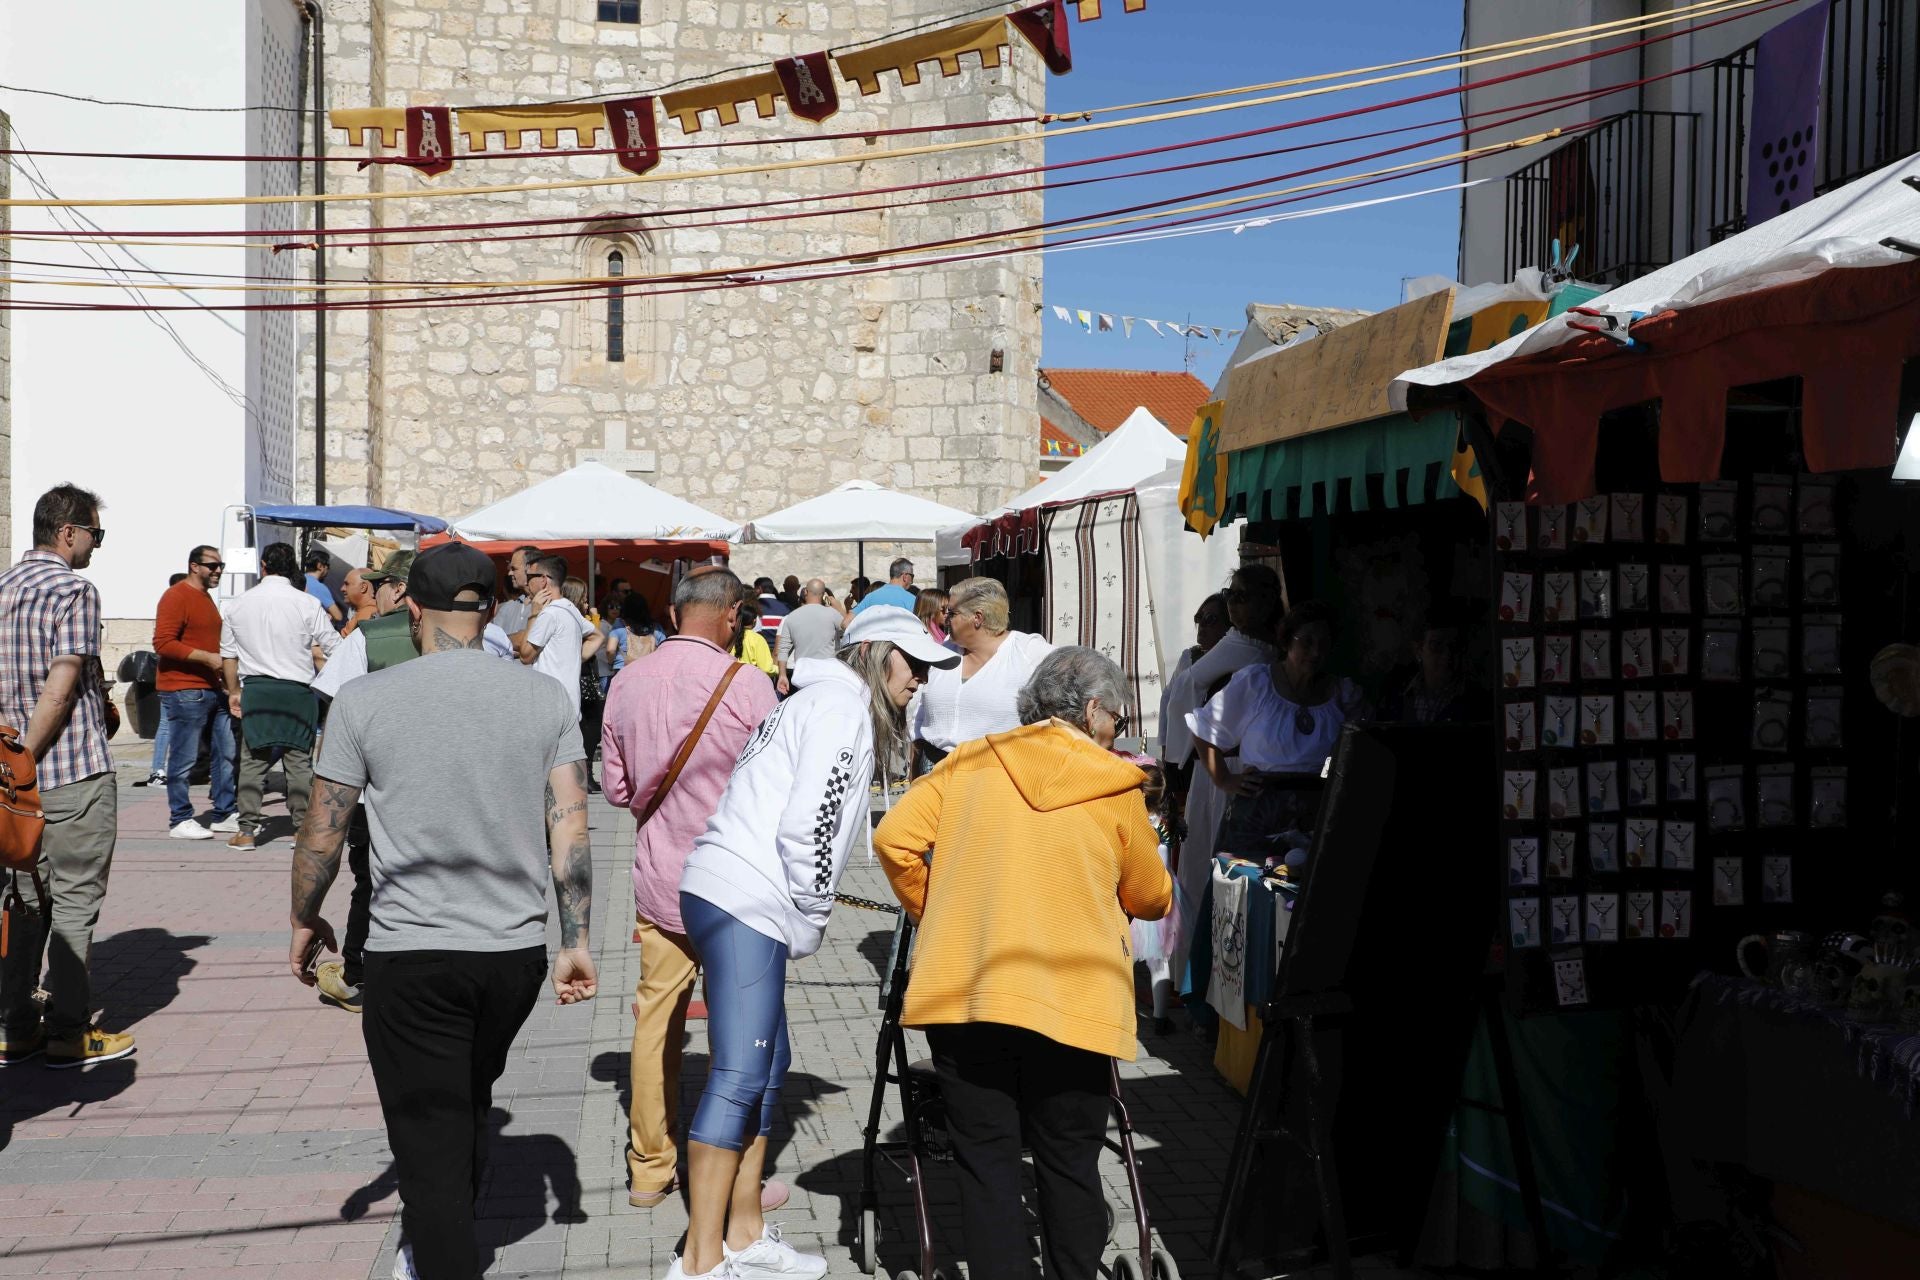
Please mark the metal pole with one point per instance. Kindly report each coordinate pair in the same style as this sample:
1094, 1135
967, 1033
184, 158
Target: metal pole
593, 587
863, 559
319, 254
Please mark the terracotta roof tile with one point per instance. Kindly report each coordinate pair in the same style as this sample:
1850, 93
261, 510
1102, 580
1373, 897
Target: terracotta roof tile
1104, 397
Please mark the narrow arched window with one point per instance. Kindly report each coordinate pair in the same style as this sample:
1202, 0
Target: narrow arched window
616, 309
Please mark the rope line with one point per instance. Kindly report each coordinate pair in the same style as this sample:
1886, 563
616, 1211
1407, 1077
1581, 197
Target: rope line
1732, 8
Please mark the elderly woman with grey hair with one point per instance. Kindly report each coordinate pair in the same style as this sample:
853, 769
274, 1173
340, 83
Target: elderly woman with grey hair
977, 697
1021, 978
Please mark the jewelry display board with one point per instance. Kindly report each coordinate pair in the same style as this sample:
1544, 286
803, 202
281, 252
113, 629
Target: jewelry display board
1672, 726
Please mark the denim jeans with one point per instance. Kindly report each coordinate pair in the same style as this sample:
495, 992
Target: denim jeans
162, 742
187, 712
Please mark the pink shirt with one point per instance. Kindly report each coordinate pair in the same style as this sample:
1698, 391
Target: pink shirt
651, 708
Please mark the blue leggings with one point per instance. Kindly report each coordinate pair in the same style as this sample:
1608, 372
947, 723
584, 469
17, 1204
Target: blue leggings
746, 1025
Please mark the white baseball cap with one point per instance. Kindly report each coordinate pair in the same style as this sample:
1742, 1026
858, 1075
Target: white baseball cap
902, 630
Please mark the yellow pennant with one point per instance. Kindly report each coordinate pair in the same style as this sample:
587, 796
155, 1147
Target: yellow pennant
1203, 478
985, 37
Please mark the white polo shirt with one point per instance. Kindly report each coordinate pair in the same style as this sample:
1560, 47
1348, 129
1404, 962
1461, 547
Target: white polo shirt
272, 631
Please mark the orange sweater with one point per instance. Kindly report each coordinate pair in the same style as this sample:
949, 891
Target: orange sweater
187, 619
1044, 851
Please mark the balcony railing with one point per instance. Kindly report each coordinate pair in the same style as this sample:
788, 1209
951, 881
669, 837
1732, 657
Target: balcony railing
1618, 191
1869, 117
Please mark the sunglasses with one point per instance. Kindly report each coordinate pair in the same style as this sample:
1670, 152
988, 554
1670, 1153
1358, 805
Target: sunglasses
215, 565
99, 535
1209, 620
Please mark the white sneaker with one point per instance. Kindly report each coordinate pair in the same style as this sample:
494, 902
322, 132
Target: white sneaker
678, 1270
403, 1264
227, 825
188, 829
772, 1256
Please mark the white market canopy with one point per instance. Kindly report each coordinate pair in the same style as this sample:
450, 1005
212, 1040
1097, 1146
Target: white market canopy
1136, 450
594, 502
857, 511
1841, 229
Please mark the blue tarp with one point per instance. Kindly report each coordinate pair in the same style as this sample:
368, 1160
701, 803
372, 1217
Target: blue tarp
350, 517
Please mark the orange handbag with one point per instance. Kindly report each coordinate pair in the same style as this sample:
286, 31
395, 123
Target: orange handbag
22, 826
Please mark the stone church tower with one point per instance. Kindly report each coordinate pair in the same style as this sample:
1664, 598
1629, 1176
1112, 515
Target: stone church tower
740, 399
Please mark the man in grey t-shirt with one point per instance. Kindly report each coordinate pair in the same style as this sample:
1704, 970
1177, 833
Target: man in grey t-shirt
811, 631
459, 756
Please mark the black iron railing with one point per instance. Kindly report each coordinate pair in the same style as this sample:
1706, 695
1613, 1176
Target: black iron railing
1869, 114
1618, 191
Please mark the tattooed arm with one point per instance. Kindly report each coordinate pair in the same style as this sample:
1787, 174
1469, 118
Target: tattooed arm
572, 851
316, 861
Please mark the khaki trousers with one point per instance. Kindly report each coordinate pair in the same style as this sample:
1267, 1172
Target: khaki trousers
668, 967
75, 859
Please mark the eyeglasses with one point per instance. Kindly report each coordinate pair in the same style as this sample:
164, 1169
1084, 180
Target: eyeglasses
213, 565
99, 535
1121, 723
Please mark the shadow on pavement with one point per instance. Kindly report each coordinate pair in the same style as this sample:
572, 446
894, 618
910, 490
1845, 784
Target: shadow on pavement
135, 972
524, 1173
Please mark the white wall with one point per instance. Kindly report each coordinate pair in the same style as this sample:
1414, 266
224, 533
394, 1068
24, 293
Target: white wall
1483, 209
109, 401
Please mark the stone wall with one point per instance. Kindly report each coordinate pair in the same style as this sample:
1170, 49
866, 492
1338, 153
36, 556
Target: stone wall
742, 399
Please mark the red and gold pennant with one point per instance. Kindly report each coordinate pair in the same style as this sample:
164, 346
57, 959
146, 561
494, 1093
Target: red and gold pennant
723, 99
985, 37
429, 140
1045, 27
636, 138
808, 84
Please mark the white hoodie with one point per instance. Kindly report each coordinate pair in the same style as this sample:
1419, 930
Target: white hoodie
772, 853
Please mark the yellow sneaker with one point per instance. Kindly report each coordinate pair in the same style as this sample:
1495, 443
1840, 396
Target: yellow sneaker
90, 1046
331, 978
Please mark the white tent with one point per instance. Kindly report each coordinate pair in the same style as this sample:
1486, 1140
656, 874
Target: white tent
1135, 450
1844, 228
857, 511
594, 502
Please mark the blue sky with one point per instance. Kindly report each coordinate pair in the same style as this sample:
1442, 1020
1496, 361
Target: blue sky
1350, 259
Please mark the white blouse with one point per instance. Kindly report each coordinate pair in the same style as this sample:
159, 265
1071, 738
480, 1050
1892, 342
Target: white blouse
1188, 688
950, 710
1274, 734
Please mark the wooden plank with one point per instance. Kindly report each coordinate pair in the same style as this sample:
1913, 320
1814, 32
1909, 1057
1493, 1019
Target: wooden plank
1335, 379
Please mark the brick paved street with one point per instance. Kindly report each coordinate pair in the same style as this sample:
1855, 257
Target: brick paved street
245, 1134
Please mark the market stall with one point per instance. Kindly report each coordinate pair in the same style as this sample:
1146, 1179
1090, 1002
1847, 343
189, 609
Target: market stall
593, 506
1097, 555
858, 511
1699, 561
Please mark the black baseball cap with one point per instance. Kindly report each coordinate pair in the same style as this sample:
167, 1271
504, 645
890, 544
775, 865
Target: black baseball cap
441, 573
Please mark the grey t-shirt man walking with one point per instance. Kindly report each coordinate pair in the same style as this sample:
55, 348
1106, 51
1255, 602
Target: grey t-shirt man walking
475, 783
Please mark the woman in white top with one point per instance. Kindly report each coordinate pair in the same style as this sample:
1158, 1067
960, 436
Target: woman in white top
1284, 720
976, 697
755, 896
1253, 607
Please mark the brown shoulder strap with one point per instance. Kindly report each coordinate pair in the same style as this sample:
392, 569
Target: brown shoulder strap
681, 756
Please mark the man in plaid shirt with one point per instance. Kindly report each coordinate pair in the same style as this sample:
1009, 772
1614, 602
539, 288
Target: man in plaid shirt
51, 690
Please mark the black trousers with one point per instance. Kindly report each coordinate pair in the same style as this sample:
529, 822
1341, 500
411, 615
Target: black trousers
438, 1027
1002, 1084
353, 947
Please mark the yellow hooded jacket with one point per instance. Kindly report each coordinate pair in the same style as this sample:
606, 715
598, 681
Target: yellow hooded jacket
1044, 851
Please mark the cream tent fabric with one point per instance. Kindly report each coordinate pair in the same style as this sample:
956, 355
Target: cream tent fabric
1137, 449
1843, 228
857, 511
594, 502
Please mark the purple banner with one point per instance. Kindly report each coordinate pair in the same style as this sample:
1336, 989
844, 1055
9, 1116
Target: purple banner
1783, 142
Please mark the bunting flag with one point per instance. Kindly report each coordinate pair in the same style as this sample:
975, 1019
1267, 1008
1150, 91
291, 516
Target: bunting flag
724, 99
807, 82
1045, 27
430, 139
386, 122
1108, 321
985, 37
631, 125
513, 123
1090, 9
1203, 476
1465, 470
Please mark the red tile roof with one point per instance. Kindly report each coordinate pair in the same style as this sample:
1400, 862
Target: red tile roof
1104, 397
1055, 443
